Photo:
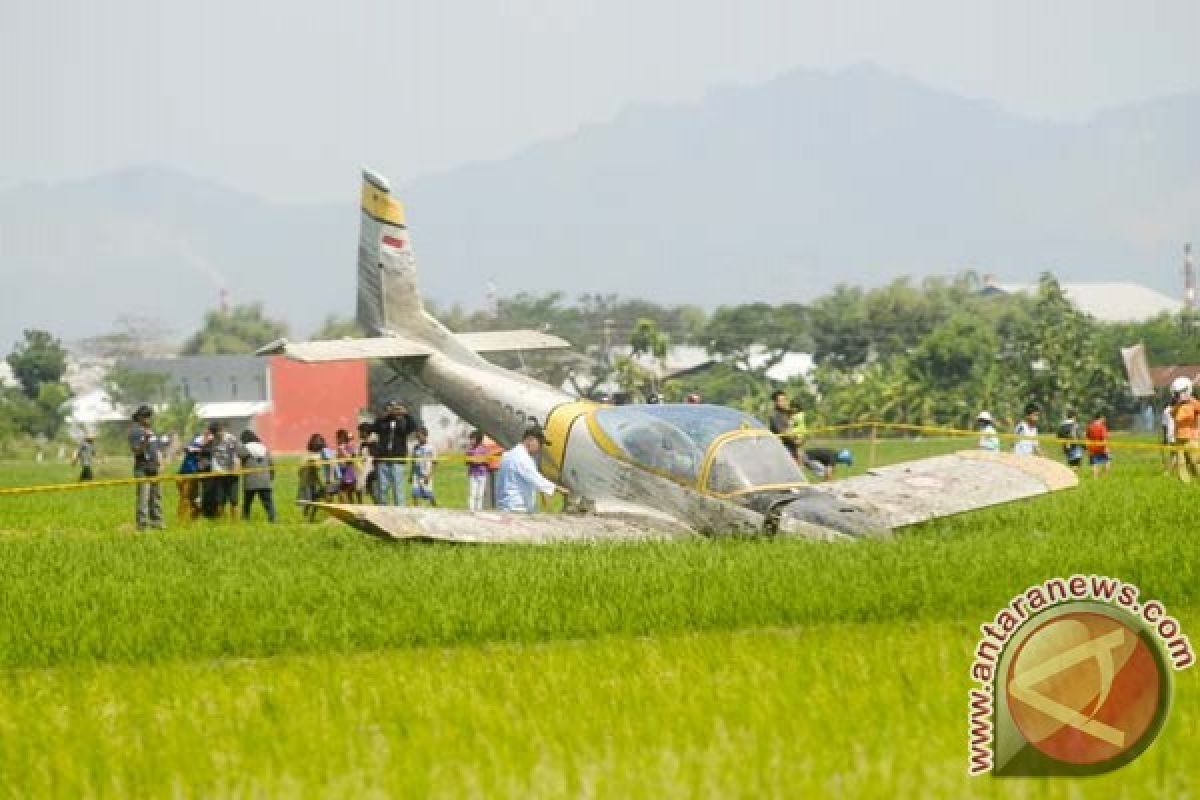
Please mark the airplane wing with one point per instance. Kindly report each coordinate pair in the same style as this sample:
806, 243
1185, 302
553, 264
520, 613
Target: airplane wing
510, 341
916, 491
501, 527
394, 346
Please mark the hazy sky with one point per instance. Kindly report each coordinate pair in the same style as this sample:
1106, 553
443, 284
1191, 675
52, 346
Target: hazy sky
286, 99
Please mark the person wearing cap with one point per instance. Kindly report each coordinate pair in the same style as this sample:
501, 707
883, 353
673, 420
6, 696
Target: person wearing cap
144, 444
518, 480
84, 455
391, 452
988, 440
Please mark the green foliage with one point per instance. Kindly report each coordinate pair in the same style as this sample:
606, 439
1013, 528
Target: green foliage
178, 418
40, 416
39, 358
335, 327
244, 329
38, 407
756, 337
129, 387
321, 661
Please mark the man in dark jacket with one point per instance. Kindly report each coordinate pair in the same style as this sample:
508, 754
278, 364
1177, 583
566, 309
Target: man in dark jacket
781, 422
392, 431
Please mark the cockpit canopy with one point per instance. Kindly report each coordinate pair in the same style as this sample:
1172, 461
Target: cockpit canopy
712, 448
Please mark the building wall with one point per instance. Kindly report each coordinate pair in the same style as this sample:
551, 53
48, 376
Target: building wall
311, 398
210, 379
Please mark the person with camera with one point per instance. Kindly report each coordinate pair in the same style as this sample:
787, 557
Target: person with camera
391, 452
146, 447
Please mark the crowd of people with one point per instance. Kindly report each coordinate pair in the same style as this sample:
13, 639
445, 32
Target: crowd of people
389, 461
1076, 440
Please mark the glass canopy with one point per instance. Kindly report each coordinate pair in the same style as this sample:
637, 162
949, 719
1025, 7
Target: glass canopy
682, 440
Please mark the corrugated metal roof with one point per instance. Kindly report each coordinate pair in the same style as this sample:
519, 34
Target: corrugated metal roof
1110, 302
1162, 376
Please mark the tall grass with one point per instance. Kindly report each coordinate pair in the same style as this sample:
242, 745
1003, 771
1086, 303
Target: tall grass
310, 660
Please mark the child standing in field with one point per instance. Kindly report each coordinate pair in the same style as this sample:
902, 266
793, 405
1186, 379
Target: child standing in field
477, 472
422, 469
988, 440
348, 491
331, 470
196, 461
1097, 444
368, 478
1027, 432
311, 477
84, 457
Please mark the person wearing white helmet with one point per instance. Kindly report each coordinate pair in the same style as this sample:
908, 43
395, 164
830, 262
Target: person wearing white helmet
988, 440
1185, 411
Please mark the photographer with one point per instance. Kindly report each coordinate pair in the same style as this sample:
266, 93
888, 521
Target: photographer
146, 447
391, 452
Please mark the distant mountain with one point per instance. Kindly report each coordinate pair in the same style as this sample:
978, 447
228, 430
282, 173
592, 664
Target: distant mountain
776, 191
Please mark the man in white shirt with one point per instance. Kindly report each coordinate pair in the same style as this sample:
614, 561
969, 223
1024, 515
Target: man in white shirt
518, 480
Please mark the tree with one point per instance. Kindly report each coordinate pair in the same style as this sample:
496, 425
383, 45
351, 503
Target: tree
839, 328
335, 327
244, 329
130, 387
757, 336
42, 415
39, 359
1059, 358
133, 336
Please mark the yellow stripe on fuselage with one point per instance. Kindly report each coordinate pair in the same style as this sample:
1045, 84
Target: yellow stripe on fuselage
381, 205
557, 429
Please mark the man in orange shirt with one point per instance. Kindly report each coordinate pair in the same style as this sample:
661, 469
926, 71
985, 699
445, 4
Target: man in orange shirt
1186, 412
1097, 444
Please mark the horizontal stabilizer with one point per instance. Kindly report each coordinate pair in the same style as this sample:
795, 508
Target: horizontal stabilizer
347, 349
499, 527
393, 346
510, 341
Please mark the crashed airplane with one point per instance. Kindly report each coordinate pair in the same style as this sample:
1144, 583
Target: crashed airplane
634, 471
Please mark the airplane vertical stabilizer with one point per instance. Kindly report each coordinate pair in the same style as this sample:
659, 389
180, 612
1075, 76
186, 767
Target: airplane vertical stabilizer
387, 274
389, 301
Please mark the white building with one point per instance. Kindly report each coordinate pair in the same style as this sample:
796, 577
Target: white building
1107, 302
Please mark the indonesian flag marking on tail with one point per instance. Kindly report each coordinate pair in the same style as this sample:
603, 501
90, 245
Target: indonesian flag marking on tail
394, 241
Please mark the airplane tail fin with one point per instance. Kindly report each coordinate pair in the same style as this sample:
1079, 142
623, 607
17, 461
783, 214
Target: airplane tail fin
389, 301
389, 307
387, 270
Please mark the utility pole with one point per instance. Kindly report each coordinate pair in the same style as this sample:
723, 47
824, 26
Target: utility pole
1189, 288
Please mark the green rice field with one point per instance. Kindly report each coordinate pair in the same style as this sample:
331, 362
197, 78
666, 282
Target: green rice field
308, 660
